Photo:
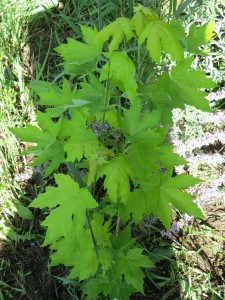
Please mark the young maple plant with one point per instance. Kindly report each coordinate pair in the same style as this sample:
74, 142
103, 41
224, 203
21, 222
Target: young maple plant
111, 121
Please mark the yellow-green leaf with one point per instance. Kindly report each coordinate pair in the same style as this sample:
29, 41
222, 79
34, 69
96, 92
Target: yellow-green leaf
121, 70
142, 16
199, 36
116, 30
117, 181
161, 37
66, 200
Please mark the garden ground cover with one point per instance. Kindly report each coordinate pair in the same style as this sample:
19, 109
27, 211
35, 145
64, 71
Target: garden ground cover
193, 257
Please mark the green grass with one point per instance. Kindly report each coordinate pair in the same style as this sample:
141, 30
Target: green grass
27, 53
15, 107
16, 104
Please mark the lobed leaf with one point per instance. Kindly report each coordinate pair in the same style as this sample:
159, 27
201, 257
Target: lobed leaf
117, 181
79, 58
142, 16
60, 98
40, 86
78, 251
81, 141
163, 190
49, 146
129, 264
199, 36
100, 231
183, 86
116, 30
156, 155
96, 160
89, 34
138, 124
66, 200
123, 241
93, 93
161, 37
121, 70
96, 286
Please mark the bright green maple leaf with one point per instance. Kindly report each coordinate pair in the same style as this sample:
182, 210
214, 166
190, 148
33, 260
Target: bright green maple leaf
137, 204
49, 142
78, 251
123, 241
142, 16
82, 141
55, 96
108, 287
79, 58
161, 37
40, 86
116, 30
117, 180
60, 98
111, 116
93, 93
199, 36
89, 34
163, 190
97, 159
72, 243
137, 125
179, 30
105, 258
124, 290
121, 70
66, 200
155, 155
159, 100
100, 231
32, 134
156, 197
96, 286
129, 264
140, 128
86, 263
64, 251
183, 86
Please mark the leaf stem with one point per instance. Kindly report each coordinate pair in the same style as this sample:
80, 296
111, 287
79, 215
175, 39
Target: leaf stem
105, 104
78, 178
92, 234
138, 65
117, 224
76, 175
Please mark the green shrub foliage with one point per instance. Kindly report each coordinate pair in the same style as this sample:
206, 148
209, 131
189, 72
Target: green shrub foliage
125, 81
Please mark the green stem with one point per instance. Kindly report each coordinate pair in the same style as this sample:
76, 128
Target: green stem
92, 234
105, 104
139, 65
76, 175
117, 224
78, 178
